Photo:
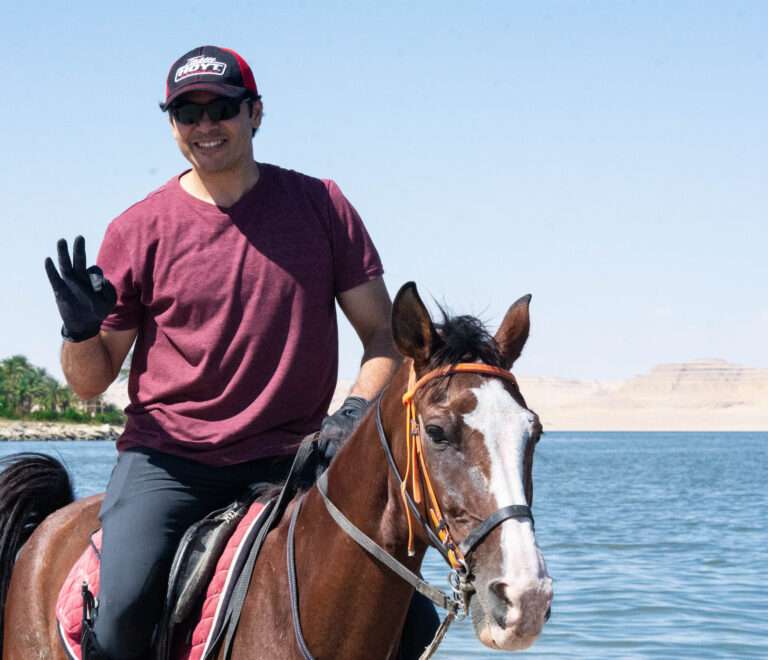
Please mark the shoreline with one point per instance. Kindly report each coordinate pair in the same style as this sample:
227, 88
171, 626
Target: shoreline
12, 430
33, 431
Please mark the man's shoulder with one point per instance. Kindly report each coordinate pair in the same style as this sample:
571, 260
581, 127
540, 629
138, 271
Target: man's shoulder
292, 178
150, 206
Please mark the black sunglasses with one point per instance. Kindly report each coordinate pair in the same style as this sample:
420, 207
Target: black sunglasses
220, 109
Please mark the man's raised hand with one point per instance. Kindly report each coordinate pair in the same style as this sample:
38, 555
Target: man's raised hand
84, 296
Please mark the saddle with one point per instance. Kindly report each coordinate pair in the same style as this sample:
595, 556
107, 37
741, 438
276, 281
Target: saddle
204, 570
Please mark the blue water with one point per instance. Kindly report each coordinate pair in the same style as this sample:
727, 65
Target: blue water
657, 542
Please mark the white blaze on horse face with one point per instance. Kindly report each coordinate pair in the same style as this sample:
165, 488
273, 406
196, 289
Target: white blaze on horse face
506, 427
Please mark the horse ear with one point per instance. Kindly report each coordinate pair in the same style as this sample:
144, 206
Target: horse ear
513, 332
412, 329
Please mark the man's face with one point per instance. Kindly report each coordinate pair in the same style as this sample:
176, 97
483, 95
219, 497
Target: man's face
217, 146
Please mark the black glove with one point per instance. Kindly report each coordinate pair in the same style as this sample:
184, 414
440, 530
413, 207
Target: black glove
336, 428
84, 296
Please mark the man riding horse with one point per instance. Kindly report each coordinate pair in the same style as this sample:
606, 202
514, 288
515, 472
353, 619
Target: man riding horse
224, 280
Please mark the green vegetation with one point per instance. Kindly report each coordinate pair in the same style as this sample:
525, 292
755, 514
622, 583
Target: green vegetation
29, 392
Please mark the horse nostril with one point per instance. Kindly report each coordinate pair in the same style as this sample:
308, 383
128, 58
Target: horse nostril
519, 606
502, 609
498, 588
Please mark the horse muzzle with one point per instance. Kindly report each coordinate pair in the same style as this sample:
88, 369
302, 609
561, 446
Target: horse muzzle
510, 615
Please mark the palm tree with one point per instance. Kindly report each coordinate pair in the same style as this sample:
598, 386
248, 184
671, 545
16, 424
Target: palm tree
24, 388
18, 380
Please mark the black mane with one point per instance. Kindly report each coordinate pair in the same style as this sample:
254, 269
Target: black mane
464, 339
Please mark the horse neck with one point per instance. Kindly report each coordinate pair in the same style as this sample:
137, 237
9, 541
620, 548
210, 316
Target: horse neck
361, 482
362, 486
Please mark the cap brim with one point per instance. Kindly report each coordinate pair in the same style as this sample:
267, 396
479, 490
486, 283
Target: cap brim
230, 91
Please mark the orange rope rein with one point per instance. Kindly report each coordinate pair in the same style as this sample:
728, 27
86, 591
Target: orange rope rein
409, 466
416, 467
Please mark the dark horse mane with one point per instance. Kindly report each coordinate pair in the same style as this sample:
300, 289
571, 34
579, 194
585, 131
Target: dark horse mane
464, 339
32, 487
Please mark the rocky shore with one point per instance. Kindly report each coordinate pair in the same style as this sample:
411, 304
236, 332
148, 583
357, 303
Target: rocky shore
11, 429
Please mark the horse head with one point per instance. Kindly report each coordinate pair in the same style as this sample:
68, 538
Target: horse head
477, 441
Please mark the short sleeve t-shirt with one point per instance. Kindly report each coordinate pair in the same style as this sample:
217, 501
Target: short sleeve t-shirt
237, 352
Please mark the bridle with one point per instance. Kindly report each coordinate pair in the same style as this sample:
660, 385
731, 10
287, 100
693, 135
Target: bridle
437, 529
416, 471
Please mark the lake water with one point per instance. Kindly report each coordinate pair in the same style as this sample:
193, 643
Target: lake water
657, 542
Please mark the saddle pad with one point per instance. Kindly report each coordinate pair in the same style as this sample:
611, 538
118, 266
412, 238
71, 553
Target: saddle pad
223, 581
69, 606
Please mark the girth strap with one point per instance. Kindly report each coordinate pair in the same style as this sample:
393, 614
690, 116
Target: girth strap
439, 598
493, 521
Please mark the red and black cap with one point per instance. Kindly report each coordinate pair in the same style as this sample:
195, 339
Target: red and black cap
210, 69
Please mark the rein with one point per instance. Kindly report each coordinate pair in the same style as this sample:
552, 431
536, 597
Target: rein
416, 474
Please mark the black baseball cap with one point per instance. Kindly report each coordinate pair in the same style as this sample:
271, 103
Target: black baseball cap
210, 69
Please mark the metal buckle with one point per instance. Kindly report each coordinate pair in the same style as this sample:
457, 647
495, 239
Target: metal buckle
462, 590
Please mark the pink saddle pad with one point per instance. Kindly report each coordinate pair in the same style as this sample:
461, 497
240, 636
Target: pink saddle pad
69, 606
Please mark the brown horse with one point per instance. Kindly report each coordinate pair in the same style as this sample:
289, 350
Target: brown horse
476, 440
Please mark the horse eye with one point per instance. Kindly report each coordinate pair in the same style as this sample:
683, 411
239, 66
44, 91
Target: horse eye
436, 434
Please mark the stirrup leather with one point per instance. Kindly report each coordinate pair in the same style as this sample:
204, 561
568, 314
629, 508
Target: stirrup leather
89, 646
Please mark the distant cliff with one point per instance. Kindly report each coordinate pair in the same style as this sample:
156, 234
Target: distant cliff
691, 396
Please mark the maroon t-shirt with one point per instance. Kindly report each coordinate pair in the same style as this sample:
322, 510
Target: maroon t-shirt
237, 352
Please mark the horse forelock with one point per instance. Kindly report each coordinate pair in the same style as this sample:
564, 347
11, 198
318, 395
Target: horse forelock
464, 339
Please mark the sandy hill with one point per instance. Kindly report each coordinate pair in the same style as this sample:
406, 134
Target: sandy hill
703, 395
692, 396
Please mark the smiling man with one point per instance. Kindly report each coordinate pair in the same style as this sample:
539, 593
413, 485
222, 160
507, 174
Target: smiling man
226, 279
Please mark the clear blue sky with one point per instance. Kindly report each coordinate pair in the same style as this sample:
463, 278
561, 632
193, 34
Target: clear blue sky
609, 157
